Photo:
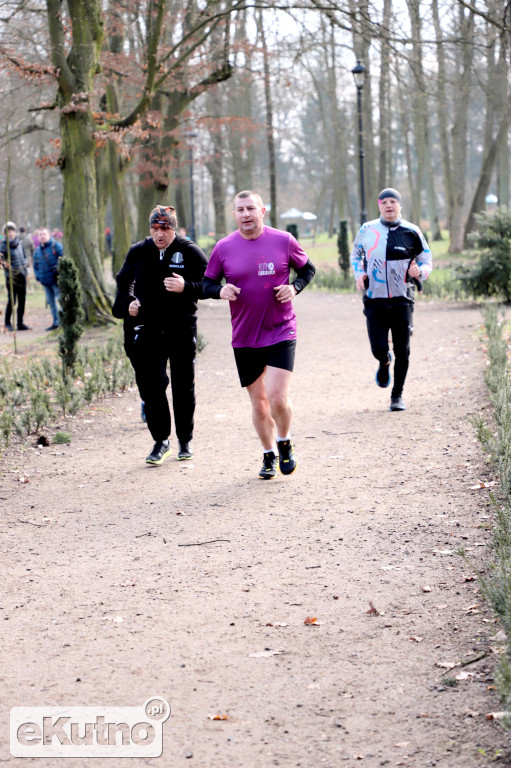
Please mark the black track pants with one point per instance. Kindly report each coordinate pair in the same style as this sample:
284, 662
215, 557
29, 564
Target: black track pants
383, 316
149, 358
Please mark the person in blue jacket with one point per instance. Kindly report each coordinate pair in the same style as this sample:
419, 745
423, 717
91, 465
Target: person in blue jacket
45, 263
388, 255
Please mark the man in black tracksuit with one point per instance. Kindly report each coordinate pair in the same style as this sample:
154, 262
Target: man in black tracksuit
158, 286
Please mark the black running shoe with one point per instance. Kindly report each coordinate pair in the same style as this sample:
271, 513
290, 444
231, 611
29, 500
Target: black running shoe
159, 453
383, 374
397, 404
185, 452
269, 468
287, 461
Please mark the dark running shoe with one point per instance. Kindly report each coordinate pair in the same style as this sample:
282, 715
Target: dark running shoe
24, 327
287, 461
269, 468
52, 327
397, 404
185, 452
8, 327
383, 374
159, 453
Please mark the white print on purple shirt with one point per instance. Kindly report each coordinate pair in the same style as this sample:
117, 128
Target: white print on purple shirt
266, 268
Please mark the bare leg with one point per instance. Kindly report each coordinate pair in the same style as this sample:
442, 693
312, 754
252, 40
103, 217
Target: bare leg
271, 407
278, 381
261, 414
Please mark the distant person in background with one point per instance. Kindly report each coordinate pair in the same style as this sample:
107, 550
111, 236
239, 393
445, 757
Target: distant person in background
388, 254
17, 266
57, 235
28, 244
46, 261
182, 233
108, 240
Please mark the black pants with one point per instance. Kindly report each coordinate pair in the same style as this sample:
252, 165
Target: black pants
149, 356
395, 316
19, 289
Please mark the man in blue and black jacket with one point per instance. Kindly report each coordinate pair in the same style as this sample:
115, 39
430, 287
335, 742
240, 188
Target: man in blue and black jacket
46, 263
390, 253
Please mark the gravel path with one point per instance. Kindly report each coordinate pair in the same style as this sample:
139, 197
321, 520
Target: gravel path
193, 580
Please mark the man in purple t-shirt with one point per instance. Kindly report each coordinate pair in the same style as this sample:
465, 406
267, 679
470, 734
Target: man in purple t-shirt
255, 262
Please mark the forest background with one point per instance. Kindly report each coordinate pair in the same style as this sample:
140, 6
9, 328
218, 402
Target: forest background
110, 107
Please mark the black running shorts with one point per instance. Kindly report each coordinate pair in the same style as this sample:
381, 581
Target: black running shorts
251, 361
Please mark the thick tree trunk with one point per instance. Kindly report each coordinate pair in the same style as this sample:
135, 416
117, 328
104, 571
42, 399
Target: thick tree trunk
122, 225
102, 192
80, 214
76, 72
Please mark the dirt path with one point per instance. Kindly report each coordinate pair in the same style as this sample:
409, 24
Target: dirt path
378, 506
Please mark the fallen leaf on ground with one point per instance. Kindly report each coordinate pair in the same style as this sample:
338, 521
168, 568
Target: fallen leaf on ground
464, 675
312, 620
443, 551
265, 654
416, 639
426, 589
372, 610
469, 578
24, 479
446, 664
482, 484
218, 717
277, 624
497, 715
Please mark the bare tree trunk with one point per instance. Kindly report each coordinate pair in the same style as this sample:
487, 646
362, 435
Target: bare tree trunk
405, 133
497, 90
270, 139
421, 121
503, 174
384, 169
460, 128
362, 38
215, 166
442, 116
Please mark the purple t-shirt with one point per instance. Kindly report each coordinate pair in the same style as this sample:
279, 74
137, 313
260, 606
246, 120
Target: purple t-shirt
257, 266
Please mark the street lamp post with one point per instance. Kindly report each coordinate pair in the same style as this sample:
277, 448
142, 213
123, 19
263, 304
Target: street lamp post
359, 75
191, 136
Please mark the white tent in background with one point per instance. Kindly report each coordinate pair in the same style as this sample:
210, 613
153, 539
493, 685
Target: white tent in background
293, 213
308, 216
